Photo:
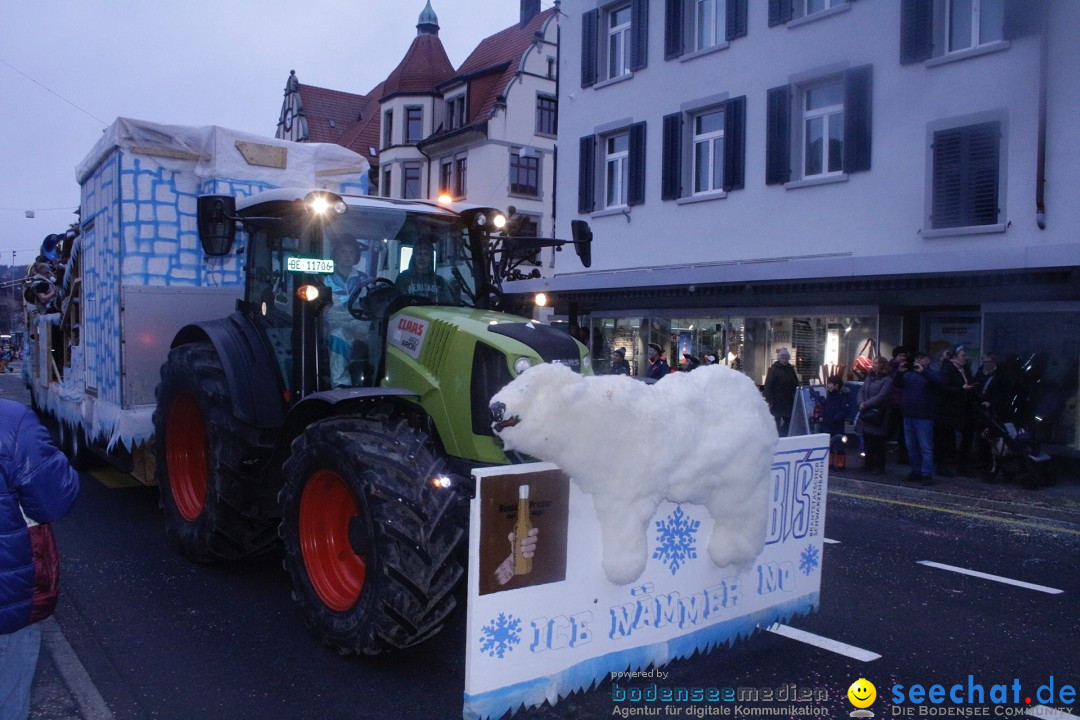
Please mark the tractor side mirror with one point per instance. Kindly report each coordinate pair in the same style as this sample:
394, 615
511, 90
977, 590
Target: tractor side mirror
582, 235
217, 224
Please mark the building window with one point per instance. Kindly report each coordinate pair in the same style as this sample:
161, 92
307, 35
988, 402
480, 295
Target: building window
551, 68
932, 29
614, 41
410, 181
388, 128
823, 129
809, 7
452, 176
974, 22
621, 179
713, 151
695, 25
966, 167
547, 114
414, 125
455, 112
460, 185
386, 177
819, 128
784, 11
524, 173
446, 178
708, 24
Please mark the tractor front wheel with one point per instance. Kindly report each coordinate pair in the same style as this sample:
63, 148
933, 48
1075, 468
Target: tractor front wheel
371, 544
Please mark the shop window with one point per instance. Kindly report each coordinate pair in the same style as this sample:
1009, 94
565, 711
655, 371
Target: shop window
693, 26
709, 156
614, 41
819, 128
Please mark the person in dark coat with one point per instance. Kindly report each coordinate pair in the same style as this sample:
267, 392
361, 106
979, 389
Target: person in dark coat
954, 414
781, 383
37, 485
873, 421
619, 365
834, 414
658, 366
918, 401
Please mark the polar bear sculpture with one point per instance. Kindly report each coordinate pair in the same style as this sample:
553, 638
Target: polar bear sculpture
704, 437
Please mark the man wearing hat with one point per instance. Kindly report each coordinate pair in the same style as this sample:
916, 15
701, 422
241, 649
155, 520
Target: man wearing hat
619, 365
658, 366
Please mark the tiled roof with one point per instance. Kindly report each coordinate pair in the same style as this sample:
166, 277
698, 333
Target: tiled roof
331, 113
424, 66
364, 135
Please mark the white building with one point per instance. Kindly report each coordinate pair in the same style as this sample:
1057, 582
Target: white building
941, 209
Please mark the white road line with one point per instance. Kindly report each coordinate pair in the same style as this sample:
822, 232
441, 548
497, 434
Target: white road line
1047, 712
831, 542
997, 578
823, 642
83, 691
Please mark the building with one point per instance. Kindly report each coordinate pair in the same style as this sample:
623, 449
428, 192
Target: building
483, 133
817, 174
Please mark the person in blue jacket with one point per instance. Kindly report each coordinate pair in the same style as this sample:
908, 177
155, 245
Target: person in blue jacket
920, 387
39, 486
835, 412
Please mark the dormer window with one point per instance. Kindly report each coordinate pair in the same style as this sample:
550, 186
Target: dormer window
455, 112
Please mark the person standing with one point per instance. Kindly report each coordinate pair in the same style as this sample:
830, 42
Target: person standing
918, 402
658, 367
39, 487
619, 365
873, 421
781, 382
954, 415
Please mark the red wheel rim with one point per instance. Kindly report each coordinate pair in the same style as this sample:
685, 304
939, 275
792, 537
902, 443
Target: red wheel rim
327, 508
185, 455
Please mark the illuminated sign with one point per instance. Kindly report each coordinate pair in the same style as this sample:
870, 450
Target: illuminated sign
310, 265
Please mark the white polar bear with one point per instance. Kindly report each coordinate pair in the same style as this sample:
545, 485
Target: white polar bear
704, 437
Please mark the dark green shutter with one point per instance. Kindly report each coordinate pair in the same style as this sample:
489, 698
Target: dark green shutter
737, 15
858, 92
587, 174
639, 34
780, 12
635, 193
778, 136
589, 28
673, 29
916, 31
735, 143
965, 176
671, 170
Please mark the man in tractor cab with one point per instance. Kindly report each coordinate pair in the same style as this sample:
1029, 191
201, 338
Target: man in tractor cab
346, 336
420, 278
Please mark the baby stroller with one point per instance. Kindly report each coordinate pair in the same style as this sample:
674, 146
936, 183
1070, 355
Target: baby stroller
1014, 453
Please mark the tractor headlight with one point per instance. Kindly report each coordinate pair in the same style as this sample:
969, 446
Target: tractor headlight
522, 364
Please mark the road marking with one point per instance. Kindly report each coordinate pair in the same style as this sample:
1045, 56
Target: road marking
823, 642
1047, 712
996, 578
83, 691
831, 542
965, 513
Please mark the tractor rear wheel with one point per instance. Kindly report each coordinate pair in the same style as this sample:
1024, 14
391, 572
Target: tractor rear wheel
371, 544
199, 445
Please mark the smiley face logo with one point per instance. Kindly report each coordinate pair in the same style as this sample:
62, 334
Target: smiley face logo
862, 693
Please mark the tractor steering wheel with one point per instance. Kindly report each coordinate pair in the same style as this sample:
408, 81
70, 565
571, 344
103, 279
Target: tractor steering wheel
366, 310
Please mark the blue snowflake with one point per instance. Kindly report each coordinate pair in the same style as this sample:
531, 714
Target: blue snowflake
809, 559
676, 539
500, 635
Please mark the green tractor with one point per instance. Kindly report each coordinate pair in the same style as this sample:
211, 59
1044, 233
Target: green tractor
345, 402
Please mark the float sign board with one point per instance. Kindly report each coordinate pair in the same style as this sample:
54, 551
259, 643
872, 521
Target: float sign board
540, 630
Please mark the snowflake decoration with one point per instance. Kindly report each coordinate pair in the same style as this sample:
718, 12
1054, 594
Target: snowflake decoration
809, 559
676, 539
500, 635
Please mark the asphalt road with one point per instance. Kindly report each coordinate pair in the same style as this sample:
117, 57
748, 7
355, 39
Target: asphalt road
161, 637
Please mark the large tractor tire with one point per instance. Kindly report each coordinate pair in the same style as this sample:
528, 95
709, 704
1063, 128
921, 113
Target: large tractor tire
371, 545
199, 446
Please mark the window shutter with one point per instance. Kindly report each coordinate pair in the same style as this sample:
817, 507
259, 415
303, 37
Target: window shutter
948, 185
639, 34
671, 171
916, 31
673, 28
735, 143
858, 91
1023, 17
780, 12
737, 13
965, 176
635, 192
778, 136
587, 174
589, 27
984, 143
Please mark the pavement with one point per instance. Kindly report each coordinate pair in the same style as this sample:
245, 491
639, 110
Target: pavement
63, 690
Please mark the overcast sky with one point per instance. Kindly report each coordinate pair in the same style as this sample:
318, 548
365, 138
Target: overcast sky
186, 62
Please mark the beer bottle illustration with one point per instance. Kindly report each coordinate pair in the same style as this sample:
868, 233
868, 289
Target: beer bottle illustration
522, 564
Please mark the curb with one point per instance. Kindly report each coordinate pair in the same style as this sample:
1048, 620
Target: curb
967, 502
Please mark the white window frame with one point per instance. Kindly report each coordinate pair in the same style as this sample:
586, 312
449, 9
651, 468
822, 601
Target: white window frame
527, 156
825, 114
975, 39
405, 168
803, 7
718, 25
409, 109
618, 42
617, 183
711, 139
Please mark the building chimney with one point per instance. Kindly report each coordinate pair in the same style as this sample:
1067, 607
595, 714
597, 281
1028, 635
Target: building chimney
529, 10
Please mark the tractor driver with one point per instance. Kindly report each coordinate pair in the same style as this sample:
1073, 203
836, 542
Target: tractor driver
346, 336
